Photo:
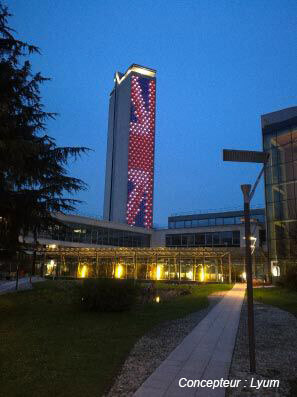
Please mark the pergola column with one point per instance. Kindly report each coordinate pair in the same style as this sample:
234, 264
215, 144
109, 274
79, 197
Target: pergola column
230, 275
135, 266
77, 265
203, 267
97, 272
217, 269
175, 270
43, 264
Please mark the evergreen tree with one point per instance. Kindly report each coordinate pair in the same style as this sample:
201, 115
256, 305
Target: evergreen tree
33, 173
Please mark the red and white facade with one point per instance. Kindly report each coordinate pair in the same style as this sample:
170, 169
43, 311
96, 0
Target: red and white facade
141, 152
131, 147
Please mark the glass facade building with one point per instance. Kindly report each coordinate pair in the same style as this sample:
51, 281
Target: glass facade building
279, 131
93, 234
214, 219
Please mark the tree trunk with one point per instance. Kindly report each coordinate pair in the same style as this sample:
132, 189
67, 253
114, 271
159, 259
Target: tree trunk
33, 269
17, 272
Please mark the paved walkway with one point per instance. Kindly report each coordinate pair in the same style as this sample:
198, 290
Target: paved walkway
206, 353
24, 283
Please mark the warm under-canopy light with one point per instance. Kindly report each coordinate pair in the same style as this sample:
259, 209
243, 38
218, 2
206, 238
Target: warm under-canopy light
119, 271
202, 275
159, 270
82, 271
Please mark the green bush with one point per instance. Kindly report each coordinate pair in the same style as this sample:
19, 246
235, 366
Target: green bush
108, 295
289, 280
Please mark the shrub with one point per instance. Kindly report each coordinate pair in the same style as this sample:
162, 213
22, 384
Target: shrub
289, 280
108, 295
165, 291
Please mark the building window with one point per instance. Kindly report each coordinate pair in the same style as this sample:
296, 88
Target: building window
176, 239
180, 224
200, 239
208, 238
229, 221
191, 240
226, 238
203, 222
219, 221
216, 238
94, 236
236, 238
184, 240
188, 223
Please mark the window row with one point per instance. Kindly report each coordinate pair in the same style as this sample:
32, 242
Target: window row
229, 239
96, 235
234, 220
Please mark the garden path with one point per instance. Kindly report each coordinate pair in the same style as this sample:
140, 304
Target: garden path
205, 354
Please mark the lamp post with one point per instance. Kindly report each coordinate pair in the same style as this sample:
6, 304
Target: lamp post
248, 157
249, 275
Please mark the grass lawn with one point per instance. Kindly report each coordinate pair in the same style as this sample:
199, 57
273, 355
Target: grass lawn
280, 297
51, 347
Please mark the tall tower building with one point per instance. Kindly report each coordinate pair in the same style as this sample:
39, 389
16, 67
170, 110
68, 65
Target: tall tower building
129, 177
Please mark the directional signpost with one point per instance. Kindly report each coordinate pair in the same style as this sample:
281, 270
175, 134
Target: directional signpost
245, 156
248, 156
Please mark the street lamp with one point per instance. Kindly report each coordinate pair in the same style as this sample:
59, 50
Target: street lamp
248, 193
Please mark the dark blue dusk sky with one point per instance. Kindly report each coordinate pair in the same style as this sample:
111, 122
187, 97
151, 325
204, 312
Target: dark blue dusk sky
220, 65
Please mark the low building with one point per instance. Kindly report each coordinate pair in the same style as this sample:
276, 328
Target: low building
216, 229
83, 232
83, 246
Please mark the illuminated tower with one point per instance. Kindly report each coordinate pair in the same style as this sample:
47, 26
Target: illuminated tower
129, 178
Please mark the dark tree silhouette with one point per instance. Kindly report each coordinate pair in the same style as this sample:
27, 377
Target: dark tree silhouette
33, 174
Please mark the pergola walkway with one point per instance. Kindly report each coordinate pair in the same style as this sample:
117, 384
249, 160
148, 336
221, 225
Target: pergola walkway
206, 353
177, 264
